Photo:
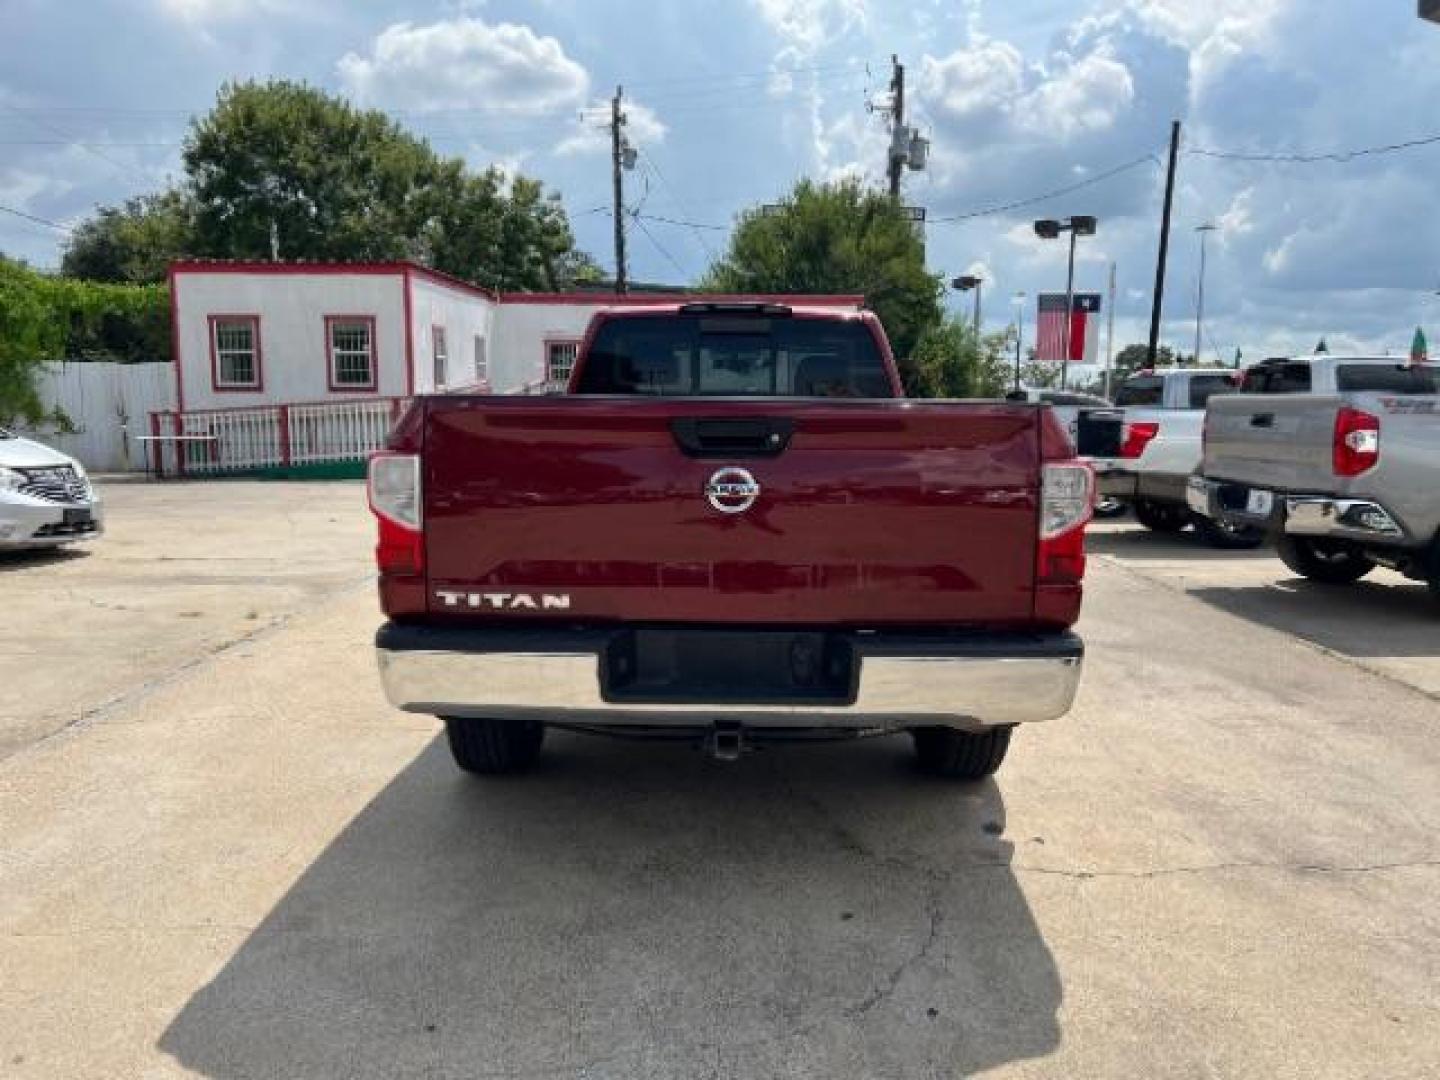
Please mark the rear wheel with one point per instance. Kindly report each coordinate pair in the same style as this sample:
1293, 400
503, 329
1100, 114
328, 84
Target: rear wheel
1227, 537
961, 755
1160, 517
491, 746
1334, 562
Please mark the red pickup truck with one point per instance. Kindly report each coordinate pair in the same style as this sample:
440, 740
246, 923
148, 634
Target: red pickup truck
731, 528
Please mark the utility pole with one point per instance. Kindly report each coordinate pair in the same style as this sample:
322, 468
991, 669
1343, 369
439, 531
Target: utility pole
1069, 315
1204, 231
617, 147
1110, 333
899, 137
1158, 299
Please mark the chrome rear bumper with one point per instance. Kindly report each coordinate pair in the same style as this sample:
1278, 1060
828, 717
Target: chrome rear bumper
899, 681
1299, 515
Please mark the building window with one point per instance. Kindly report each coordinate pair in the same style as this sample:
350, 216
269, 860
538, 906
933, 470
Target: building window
350, 346
441, 355
482, 362
559, 362
235, 352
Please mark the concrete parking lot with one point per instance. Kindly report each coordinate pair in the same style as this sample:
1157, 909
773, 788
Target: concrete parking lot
223, 855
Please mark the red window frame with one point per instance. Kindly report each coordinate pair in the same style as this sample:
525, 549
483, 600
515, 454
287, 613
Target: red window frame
212, 325
330, 380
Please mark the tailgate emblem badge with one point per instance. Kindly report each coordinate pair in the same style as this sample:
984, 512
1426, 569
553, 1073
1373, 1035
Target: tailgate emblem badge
732, 490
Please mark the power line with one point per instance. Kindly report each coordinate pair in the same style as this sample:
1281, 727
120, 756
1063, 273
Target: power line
661, 248
1341, 156
683, 224
1032, 200
88, 149
654, 166
37, 220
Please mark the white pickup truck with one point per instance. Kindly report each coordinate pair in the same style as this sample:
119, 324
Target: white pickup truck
1338, 457
1155, 448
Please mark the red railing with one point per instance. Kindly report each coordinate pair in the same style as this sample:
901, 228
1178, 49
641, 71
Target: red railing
212, 442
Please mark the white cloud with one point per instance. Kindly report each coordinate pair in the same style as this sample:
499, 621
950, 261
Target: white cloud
464, 63
809, 24
989, 84
1215, 32
980, 78
203, 12
591, 133
1085, 95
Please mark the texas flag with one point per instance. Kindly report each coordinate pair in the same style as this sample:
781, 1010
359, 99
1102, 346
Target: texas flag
1084, 323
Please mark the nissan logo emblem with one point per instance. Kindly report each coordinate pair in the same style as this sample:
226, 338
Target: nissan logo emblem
731, 490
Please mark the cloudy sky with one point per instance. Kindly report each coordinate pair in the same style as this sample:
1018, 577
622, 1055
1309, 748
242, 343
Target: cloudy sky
731, 101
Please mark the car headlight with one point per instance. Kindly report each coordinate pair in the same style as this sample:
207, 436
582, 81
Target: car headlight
10, 480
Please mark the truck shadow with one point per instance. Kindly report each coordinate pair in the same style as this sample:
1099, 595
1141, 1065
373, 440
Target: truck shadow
1367, 619
635, 910
1137, 543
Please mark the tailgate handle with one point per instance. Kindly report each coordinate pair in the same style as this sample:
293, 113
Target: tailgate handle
732, 437
1264, 419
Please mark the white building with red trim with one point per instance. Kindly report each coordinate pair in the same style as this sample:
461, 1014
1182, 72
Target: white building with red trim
278, 365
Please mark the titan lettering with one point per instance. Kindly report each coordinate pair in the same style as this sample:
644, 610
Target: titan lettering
504, 601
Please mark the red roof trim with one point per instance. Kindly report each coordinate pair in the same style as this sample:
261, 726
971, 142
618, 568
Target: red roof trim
398, 269
675, 299
402, 267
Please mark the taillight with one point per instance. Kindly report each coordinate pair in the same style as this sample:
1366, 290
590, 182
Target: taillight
1137, 436
1357, 442
1067, 502
395, 500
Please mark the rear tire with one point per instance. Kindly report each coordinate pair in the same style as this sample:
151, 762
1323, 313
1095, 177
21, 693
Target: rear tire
1333, 562
493, 747
1228, 537
1160, 517
961, 755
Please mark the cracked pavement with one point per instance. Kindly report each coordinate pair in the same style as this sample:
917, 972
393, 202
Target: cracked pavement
240, 863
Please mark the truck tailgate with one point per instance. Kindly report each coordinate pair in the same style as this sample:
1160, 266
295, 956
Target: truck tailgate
868, 513
1278, 441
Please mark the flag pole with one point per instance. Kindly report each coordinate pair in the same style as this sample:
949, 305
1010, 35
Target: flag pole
1110, 332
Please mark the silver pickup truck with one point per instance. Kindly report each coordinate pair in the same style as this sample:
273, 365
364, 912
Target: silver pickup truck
1338, 457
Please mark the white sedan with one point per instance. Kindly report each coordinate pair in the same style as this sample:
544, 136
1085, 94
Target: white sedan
45, 497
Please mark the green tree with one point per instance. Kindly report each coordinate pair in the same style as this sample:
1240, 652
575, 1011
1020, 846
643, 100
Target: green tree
951, 361
44, 319
331, 181
836, 238
133, 243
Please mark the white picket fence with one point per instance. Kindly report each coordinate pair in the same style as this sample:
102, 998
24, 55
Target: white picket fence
214, 442
108, 405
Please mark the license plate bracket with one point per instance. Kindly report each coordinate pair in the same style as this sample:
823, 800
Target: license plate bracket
1259, 502
76, 517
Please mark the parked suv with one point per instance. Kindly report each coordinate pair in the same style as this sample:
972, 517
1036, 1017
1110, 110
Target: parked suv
45, 497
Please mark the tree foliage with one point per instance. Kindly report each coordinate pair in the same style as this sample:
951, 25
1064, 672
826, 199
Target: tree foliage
45, 319
133, 243
327, 181
951, 360
837, 238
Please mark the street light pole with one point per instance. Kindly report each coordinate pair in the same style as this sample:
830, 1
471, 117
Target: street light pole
965, 283
1049, 229
1019, 333
1069, 310
1204, 231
